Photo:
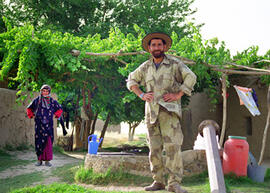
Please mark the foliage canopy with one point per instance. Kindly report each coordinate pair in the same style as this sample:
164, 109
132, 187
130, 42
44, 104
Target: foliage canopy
30, 58
90, 17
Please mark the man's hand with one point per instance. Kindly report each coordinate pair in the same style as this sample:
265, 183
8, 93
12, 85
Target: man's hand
148, 97
170, 97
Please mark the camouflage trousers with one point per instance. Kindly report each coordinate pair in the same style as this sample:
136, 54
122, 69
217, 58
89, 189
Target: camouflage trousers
166, 133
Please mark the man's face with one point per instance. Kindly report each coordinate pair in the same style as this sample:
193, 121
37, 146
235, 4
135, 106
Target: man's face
156, 48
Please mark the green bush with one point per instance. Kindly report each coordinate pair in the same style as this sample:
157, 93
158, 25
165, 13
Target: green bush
116, 177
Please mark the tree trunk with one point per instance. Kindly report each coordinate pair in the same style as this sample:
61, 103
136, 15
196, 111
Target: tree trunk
94, 123
77, 124
224, 120
102, 135
131, 130
86, 133
266, 128
130, 137
88, 110
70, 140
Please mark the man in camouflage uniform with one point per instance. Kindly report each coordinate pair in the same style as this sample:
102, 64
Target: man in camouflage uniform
166, 79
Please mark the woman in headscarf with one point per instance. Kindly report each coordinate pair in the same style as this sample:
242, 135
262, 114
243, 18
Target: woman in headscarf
42, 109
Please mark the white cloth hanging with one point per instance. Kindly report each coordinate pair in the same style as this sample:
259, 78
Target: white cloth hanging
245, 96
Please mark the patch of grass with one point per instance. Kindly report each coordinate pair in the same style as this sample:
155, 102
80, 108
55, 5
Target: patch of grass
58, 150
200, 183
9, 184
9, 147
245, 184
57, 187
197, 183
267, 175
141, 136
137, 143
8, 161
21, 147
120, 177
232, 179
67, 172
3, 153
196, 179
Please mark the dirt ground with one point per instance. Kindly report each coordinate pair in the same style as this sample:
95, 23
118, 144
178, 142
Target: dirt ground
58, 161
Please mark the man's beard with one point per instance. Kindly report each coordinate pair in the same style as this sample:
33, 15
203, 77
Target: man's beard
158, 54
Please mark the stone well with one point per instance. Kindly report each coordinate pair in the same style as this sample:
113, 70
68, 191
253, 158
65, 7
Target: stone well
194, 162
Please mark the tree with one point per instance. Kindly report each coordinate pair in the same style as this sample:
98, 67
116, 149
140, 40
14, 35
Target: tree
159, 15
32, 58
67, 16
2, 24
90, 17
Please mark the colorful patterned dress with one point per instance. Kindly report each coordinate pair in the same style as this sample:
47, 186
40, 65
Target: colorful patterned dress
43, 108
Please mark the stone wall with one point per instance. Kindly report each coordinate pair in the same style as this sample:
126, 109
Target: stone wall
194, 162
198, 110
15, 127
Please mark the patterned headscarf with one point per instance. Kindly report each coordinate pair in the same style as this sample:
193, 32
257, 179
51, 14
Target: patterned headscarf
47, 87
45, 100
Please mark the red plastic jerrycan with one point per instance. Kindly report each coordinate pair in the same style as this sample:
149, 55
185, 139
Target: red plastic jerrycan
235, 155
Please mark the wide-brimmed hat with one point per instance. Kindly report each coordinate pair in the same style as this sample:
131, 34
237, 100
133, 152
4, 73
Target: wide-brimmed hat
159, 35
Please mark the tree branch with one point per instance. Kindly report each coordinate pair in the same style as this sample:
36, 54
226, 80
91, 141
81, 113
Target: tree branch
77, 53
246, 67
186, 61
261, 61
121, 61
227, 71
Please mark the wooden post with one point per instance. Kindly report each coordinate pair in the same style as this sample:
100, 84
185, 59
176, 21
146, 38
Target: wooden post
224, 119
208, 130
266, 128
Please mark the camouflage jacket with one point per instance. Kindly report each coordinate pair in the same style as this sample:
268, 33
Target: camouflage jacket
171, 76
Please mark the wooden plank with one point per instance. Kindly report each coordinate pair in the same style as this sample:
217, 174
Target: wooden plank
215, 172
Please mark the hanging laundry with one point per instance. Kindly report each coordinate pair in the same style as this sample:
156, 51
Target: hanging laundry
255, 97
247, 96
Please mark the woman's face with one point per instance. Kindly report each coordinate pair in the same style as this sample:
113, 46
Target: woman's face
44, 92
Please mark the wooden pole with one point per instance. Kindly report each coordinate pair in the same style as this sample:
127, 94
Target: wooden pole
266, 128
208, 129
224, 119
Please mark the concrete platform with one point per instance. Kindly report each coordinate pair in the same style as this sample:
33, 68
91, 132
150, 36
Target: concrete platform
194, 162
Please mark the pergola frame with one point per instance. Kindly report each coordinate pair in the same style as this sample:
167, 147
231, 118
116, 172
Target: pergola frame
226, 70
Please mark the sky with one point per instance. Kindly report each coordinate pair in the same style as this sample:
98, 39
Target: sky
239, 23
